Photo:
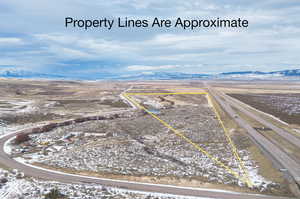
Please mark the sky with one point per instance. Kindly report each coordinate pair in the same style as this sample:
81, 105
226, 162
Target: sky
33, 37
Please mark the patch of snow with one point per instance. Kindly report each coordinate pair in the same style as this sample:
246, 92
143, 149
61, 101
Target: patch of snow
118, 190
153, 103
51, 104
297, 130
57, 148
28, 109
23, 161
7, 146
95, 134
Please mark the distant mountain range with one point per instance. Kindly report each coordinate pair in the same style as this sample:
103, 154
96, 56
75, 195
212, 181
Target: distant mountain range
164, 76
27, 74
295, 72
242, 75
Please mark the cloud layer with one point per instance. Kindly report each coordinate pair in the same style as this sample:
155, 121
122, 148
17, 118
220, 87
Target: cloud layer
33, 37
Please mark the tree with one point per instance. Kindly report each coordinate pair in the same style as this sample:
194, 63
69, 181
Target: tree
54, 194
22, 137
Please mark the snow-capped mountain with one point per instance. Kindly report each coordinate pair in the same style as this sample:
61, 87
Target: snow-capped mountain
240, 75
164, 76
246, 75
13, 73
284, 74
295, 72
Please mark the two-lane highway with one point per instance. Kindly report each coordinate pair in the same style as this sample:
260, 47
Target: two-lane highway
52, 175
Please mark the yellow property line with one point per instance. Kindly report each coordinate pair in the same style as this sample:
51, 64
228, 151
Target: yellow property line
178, 133
185, 93
233, 147
145, 89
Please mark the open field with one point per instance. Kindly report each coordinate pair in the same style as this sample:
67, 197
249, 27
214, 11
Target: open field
26, 101
286, 107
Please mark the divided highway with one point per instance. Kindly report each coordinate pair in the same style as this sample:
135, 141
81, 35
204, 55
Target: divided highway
284, 134
281, 157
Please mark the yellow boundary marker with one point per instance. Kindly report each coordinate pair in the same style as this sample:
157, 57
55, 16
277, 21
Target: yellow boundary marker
233, 147
187, 93
245, 178
143, 89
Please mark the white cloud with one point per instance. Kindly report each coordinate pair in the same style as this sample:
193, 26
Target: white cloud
149, 68
76, 46
10, 41
272, 37
56, 38
66, 53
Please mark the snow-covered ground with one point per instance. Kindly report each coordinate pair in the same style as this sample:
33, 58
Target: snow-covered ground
7, 129
106, 146
14, 185
102, 146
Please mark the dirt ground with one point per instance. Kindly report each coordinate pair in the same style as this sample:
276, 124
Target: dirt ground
286, 107
30, 101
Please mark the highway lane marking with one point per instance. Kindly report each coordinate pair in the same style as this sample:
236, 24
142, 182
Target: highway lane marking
245, 179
